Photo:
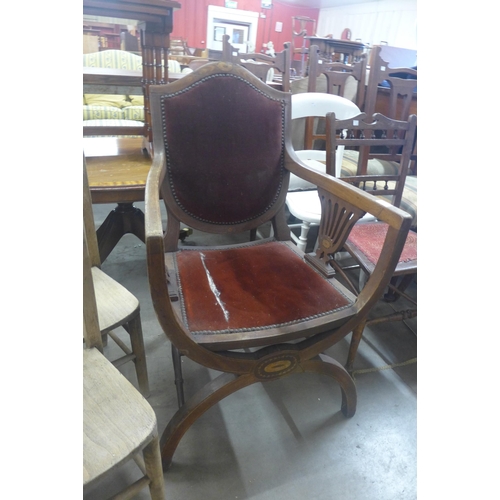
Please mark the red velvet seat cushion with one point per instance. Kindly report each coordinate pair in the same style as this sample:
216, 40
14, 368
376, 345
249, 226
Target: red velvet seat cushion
369, 239
251, 287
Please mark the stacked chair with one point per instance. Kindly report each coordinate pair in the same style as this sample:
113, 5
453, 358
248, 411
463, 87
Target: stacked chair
338, 76
265, 67
118, 423
116, 306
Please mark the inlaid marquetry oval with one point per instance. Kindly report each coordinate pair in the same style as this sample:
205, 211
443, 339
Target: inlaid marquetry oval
326, 242
276, 366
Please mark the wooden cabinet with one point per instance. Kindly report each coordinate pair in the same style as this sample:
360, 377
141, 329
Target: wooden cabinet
155, 25
331, 49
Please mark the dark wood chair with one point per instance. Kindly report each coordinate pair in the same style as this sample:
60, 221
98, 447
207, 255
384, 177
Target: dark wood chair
392, 92
265, 67
337, 76
255, 311
393, 140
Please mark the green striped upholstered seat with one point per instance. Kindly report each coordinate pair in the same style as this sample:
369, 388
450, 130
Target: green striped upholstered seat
379, 167
116, 59
116, 109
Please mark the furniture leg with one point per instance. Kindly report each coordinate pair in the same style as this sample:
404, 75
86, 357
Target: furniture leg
393, 295
304, 230
353, 348
228, 383
134, 329
154, 471
328, 366
213, 392
125, 218
179, 382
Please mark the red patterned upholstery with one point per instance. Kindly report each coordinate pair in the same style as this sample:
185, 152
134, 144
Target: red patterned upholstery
369, 238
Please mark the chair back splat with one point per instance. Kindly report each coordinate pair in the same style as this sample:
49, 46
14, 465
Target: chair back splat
302, 197
391, 139
255, 311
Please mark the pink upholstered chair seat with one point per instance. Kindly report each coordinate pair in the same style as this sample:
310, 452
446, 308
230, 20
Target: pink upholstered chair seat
366, 241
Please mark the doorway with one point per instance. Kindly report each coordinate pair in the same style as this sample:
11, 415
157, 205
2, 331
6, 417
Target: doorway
240, 25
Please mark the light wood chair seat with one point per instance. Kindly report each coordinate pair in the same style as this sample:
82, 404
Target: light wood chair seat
110, 434
115, 304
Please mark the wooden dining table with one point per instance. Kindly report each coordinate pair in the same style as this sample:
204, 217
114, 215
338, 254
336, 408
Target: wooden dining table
117, 169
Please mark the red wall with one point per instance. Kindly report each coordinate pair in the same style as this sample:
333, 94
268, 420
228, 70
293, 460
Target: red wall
190, 21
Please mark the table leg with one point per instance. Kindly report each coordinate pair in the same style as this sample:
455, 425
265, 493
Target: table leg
125, 218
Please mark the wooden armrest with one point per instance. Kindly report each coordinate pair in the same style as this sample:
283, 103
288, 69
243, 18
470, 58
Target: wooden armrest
367, 203
342, 205
158, 272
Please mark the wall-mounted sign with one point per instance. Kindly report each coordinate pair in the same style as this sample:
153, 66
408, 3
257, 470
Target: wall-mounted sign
231, 4
266, 4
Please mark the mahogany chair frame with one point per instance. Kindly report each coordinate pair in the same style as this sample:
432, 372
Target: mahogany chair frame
401, 88
244, 357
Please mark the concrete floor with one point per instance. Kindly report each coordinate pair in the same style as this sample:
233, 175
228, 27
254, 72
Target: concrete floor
286, 439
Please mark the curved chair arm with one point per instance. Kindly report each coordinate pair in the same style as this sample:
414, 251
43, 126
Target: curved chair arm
342, 206
158, 276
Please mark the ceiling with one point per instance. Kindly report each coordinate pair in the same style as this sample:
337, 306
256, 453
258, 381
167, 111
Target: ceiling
323, 4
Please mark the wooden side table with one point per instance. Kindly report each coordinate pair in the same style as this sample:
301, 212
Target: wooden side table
117, 168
